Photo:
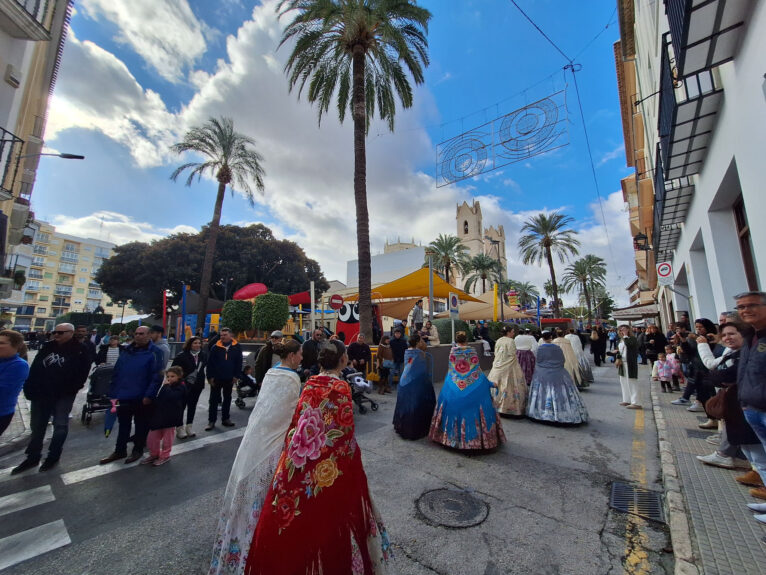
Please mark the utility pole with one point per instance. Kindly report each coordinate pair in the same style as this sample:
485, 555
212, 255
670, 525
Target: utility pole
496, 243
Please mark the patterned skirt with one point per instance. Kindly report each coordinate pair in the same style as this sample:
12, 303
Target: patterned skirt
553, 397
527, 362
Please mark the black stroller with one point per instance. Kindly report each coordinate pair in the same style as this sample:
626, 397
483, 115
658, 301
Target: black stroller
359, 385
246, 387
98, 393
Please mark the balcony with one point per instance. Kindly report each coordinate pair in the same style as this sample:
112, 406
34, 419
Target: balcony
25, 19
688, 112
67, 268
25, 310
63, 291
69, 257
10, 148
671, 203
705, 32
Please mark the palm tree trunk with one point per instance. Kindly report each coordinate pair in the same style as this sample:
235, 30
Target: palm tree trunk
360, 195
207, 266
554, 285
587, 300
446, 272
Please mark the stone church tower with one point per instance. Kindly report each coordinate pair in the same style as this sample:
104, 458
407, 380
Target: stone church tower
473, 235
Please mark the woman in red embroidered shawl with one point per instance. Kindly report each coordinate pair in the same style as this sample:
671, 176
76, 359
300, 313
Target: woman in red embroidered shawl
318, 517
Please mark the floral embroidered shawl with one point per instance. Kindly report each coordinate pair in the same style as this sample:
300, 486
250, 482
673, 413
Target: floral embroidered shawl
318, 516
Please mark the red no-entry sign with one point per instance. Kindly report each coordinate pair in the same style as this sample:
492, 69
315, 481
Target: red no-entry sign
336, 301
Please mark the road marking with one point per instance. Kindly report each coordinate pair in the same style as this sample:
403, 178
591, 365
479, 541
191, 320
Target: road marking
99, 470
32, 542
26, 499
636, 539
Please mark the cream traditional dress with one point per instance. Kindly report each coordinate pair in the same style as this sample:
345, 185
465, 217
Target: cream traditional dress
570, 360
511, 394
253, 469
582, 359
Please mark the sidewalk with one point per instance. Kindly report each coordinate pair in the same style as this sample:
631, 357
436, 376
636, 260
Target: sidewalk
712, 529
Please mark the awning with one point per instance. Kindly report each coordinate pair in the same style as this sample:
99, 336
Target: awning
397, 309
636, 312
484, 309
415, 285
302, 298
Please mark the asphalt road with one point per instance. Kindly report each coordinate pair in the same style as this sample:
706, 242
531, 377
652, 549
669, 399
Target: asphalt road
547, 490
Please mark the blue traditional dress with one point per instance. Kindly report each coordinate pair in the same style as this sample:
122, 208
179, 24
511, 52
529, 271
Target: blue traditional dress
465, 416
415, 398
553, 395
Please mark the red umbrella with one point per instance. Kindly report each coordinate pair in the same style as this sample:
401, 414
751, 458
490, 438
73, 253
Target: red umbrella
250, 291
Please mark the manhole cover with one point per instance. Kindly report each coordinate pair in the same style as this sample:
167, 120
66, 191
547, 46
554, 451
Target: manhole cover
637, 501
452, 508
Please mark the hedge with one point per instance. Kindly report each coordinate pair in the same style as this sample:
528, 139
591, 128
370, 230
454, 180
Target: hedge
444, 327
237, 315
270, 311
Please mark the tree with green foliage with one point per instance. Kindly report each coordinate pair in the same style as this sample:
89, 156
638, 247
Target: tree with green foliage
481, 267
582, 275
449, 253
237, 315
360, 50
544, 236
232, 159
526, 292
444, 327
270, 311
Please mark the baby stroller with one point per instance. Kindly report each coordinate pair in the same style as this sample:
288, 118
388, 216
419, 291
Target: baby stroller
246, 387
98, 393
359, 385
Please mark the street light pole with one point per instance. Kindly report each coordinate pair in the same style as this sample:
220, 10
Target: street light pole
496, 243
430, 254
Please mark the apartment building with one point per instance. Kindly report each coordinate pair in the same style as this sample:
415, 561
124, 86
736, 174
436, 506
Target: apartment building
32, 36
59, 271
692, 84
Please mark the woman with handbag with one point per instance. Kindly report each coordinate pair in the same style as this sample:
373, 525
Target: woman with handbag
192, 361
736, 434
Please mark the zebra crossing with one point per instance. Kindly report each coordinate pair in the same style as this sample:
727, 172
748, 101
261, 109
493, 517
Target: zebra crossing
32, 542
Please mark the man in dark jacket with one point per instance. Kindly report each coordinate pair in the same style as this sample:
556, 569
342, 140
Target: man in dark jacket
311, 347
57, 373
359, 354
81, 335
265, 356
751, 376
224, 364
398, 347
137, 370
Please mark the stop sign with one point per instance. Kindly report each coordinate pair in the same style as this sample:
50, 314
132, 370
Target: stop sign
336, 301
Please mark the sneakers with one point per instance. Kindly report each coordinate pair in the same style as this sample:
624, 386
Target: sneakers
709, 424
149, 459
759, 507
717, 460
24, 465
714, 439
634, 406
49, 464
161, 461
210, 426
228, 423
696, 407
758, 492
189, 432
680, 401
760, 518
114, 456
181, 432
752, 479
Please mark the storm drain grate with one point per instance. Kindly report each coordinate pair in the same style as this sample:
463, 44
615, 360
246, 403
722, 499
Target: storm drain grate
452, 508
637, 501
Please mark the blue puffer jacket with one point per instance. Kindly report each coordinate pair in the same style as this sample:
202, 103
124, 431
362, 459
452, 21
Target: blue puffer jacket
137, 370
751, 373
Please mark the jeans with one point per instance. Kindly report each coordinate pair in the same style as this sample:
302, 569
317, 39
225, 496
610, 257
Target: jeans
128, 412
41, 411
396, 371
757, 420
756, 455
217, 388
194, 391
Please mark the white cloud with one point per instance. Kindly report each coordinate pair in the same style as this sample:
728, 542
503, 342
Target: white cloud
165, 34
618, 152
113, 227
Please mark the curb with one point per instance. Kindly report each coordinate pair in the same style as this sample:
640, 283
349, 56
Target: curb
686, 563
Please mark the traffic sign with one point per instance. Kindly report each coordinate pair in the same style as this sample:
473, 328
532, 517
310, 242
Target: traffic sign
454, 304
336, 301
665, 273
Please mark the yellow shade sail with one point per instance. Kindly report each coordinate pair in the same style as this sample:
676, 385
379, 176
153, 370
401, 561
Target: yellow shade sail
484, 309
415, 285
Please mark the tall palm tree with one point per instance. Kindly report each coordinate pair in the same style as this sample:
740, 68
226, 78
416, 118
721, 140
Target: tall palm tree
526, 292
481, 267
232, 159
361, 50
448, 253
582, 275
597, 266
546, 235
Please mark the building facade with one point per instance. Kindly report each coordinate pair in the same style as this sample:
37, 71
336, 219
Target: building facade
60, 272
693, 97
32, 36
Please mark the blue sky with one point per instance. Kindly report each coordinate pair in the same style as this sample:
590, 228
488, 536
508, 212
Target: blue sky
136, 75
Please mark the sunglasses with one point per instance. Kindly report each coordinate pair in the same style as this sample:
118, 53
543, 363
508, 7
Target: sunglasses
61, 332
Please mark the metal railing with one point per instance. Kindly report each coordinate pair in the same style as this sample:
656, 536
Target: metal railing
35, 8
668, 105
10, 148
678, 14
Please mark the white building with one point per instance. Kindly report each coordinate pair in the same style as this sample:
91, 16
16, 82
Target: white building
699, 131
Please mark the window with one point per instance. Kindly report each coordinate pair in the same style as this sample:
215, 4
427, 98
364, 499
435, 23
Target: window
43, 298
42, 237
48, 275
84, 259
30, 297
465, 227
52, 253
78, 302
745, 243
109, 304
33, 286
87, 248
94, 293
42, 311
46, 288
85, 270
40, 250
38, 261
80, 290
82, 280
